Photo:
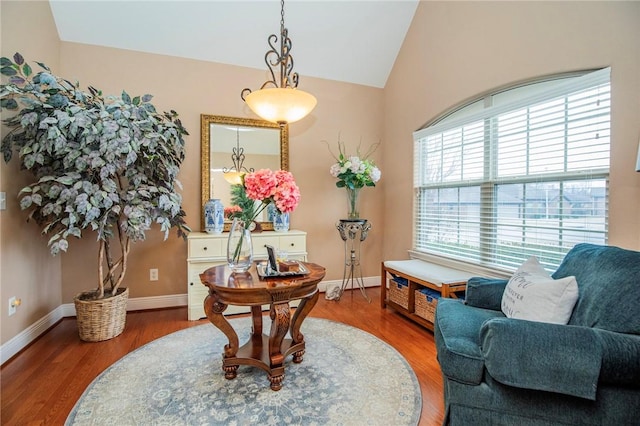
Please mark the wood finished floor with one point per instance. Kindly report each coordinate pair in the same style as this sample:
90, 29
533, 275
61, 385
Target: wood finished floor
41, 384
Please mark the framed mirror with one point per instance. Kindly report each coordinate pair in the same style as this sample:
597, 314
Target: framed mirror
229, 143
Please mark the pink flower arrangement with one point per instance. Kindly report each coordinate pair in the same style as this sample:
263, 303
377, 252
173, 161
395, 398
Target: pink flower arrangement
279, 187
265, 186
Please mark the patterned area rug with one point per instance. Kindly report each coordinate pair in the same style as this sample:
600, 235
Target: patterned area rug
347, 377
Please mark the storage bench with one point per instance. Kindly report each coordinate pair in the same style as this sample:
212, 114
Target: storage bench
413, 287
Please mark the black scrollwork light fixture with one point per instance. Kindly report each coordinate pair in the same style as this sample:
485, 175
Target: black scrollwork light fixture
233, 175
280, 103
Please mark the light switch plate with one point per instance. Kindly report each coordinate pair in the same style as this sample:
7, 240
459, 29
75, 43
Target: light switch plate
3, 200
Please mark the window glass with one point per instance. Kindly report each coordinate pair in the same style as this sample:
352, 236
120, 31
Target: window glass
526, 177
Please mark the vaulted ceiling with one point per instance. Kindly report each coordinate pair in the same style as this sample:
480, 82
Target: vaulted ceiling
354, 41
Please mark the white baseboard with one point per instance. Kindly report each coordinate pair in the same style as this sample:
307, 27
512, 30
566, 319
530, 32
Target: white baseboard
367, 281
20, 341
24, 338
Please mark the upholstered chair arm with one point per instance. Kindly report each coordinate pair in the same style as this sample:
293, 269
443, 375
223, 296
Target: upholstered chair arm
542, 356
620, 358
485, 292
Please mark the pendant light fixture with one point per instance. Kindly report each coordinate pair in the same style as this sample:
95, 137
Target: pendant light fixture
234, 174
280, 102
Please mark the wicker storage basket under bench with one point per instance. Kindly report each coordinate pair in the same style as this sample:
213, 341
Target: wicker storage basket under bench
413, 287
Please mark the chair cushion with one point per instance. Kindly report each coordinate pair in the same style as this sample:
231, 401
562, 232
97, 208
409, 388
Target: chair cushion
533, 295
457, 335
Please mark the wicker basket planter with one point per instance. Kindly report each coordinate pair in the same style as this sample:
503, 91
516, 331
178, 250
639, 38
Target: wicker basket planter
101, 319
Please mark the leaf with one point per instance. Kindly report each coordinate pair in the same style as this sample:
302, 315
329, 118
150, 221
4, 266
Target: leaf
8, 104
18, 58
136, 100
65, 180
63, 245
17, 80
25, 202
125, 97
26, 70
43, 66
8, 71
5, 62
147, 98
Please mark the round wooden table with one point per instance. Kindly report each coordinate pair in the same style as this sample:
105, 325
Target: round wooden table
267, 352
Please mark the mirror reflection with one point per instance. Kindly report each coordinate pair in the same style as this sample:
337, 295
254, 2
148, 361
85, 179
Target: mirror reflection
233, 145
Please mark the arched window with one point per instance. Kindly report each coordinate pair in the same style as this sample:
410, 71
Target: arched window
520, 172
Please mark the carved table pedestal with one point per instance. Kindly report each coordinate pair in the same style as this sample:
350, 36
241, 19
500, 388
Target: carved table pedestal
267, 352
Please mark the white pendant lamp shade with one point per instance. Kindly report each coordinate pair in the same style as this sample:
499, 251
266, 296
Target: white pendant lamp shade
281, 105
233, 177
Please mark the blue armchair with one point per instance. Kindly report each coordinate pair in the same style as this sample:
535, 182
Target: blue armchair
503, 371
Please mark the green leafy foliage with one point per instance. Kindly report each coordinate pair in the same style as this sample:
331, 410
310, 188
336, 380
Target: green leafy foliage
102, 164
248, 208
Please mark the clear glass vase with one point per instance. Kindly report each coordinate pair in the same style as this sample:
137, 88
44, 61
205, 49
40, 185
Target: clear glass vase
353, 197
239, 247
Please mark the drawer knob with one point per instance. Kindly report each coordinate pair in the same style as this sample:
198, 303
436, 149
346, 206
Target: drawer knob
190, 283
292, 244
204, 248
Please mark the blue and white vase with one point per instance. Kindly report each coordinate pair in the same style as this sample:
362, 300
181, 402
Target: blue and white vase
280, 221
214, 216
271, 212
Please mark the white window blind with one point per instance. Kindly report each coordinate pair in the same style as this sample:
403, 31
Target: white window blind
526, 177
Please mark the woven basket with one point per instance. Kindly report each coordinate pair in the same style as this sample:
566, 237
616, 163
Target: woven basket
101, 319
425, 306
399, 294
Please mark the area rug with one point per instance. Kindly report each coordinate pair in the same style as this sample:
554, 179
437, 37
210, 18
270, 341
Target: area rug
347, 377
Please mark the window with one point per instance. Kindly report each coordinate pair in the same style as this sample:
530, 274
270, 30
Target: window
525, 175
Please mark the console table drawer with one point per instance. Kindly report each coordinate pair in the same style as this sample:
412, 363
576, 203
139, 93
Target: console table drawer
207, 248
261, 241
293, 243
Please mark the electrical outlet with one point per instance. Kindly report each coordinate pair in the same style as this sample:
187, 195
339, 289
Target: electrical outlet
13, 305
3, 200
153, 274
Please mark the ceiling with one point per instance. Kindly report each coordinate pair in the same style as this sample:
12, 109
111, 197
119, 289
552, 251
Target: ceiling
354, 41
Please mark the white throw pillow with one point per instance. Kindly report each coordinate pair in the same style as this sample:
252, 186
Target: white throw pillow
533, 295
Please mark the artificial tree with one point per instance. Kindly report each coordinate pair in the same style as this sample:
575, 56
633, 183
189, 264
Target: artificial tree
100, 163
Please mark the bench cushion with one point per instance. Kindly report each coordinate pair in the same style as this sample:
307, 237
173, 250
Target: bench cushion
430, 272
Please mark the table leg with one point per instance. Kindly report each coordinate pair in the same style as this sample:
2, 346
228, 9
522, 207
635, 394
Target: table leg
256, 315
306, 305
214, 309
280, 317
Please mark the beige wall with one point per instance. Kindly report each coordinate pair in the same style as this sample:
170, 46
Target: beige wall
194, 87
457, 50
27, 270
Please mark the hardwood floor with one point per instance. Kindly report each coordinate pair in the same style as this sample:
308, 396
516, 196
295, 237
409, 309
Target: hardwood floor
42, 383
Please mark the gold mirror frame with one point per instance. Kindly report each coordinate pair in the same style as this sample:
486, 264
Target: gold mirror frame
205, 148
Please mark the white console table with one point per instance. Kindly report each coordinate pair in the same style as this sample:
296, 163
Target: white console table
207, 250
